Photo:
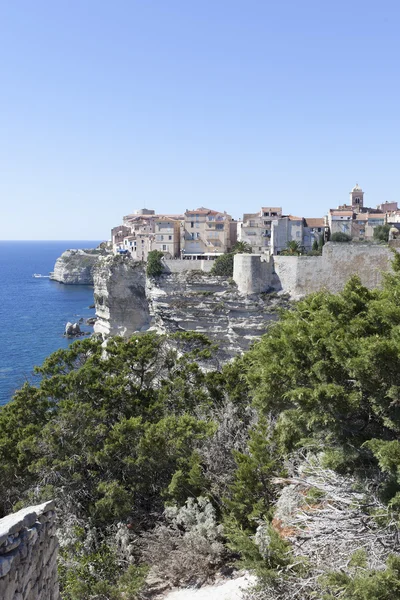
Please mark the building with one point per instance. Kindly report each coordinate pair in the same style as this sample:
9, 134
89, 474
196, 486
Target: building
313, 231
118, 234
143, 231
357, 220
357, 198
255, 229
206, 234
284, 230
167, 236
340, 221
388, 207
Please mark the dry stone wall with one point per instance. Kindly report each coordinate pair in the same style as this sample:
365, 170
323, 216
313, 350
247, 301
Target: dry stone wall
28, 554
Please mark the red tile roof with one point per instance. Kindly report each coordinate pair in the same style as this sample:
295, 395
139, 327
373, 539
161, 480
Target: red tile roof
315, 222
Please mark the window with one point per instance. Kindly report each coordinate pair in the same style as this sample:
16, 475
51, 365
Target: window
197, 235
219, 227
164, 247
161, 237
192, 236
170, 237
191, 224
298, 234
197, 225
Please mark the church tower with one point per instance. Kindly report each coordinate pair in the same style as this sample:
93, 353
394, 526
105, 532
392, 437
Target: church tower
357, 198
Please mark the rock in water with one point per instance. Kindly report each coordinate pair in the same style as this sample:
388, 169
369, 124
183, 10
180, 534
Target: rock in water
72, 330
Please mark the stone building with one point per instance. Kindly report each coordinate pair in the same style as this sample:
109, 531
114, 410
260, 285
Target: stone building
357, 220
255, 229
357, 198
284, 230
313, 231
206, 234
118, 235
143, 231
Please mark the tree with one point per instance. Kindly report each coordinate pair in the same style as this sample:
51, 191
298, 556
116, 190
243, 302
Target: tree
154, 264
110, 439
381, 233
340, 236
293, 248
329, 372
242, 248
223, 265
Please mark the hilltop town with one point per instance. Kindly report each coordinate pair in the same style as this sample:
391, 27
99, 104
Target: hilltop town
205, 234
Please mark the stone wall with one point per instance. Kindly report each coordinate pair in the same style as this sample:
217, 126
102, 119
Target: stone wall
180, 266
28, 554
339, 261
301, 275
251, 274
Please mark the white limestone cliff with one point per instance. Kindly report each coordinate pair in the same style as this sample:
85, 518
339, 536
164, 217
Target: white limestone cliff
127, 302
75, 267
120, 296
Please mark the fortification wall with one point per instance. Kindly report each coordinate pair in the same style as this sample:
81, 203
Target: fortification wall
305, 274
180, 266
301, 275
28, 554
251, 274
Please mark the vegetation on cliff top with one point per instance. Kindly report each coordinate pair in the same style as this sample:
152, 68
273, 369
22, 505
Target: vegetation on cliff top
144, 450
223, 265
154, 263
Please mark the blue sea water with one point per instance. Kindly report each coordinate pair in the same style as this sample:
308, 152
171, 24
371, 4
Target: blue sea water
33, 312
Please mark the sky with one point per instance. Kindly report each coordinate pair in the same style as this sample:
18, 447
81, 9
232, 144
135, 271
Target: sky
106, 107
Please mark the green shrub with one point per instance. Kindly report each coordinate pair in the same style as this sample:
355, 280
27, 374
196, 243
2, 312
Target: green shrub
381, 233
223, 265
339, 236
154, 264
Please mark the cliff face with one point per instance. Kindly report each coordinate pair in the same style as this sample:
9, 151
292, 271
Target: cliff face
75, 267
120, 296
196, 301
127, 302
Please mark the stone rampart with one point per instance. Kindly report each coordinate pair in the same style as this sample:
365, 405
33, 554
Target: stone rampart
301, 275
28, 554
339, 261
180, 266
251, 274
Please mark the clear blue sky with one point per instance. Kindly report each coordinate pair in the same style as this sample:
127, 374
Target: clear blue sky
171, 104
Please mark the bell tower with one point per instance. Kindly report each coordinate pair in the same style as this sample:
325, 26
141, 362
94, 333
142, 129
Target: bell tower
357, 198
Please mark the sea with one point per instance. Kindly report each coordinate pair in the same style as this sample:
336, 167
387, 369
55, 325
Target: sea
34, 311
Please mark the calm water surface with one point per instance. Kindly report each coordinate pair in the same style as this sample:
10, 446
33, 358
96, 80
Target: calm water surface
33, 312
